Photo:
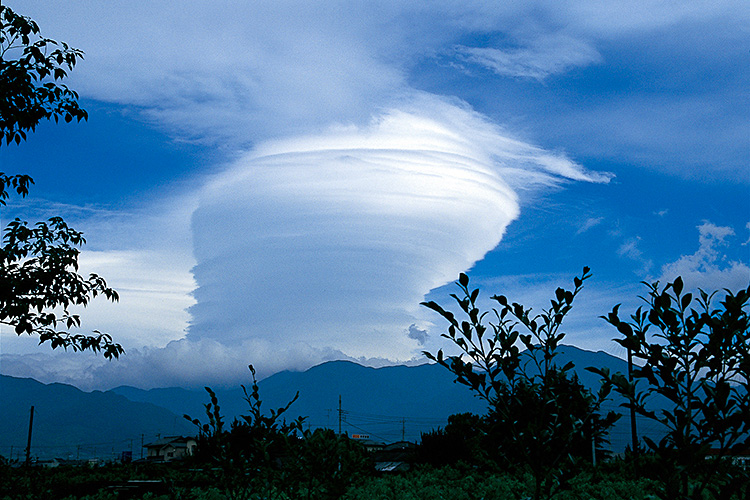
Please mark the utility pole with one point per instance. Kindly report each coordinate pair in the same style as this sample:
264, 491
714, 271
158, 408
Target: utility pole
28, 441
340, 412
403, 429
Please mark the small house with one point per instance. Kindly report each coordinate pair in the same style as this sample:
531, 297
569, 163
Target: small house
170, 448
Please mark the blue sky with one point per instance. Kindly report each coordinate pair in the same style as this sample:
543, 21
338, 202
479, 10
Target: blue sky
281, 183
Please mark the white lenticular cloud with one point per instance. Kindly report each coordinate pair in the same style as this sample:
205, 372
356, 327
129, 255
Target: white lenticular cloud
331, 241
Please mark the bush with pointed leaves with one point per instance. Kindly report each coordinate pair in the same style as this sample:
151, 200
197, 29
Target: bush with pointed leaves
565, 413
694, 355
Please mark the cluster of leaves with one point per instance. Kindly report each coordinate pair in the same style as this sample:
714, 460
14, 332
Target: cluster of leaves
698, 360
263, 456
248, 453
569, 413
28, 89
18, 183
39, 282
540, 415
462, 440
39, 278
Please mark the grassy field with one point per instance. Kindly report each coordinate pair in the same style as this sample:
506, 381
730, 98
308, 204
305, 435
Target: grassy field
613, 481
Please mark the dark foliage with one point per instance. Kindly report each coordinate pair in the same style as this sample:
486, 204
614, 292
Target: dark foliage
464, 439
248, 456
324, 465
262, 455
30, 66
570, 437
39, 282
697, 357
39, 278
539, 416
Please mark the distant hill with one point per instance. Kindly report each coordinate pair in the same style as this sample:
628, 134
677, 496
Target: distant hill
385, 403
70, 423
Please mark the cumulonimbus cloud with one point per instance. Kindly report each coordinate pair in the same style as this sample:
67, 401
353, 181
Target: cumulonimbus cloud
331, 241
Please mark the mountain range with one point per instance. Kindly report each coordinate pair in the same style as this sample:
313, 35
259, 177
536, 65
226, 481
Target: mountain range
387, 404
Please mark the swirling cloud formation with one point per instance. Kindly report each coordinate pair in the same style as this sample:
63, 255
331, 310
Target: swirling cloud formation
331, 241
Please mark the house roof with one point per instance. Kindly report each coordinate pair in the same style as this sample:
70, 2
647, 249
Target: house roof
175, 441
401, 445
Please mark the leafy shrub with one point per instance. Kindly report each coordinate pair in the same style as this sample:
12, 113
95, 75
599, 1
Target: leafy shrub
261, 456
462, 440
697, 357
540, 416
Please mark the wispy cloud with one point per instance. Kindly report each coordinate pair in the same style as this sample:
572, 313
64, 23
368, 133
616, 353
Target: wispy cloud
234, 74
178, 363
418, 334
631, 250
155, 293
544, 56
652, 130
589, 223
145, 254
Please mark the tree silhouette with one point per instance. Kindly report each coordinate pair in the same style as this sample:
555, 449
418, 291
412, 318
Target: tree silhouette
29, 92
539, 414
695, 355
39, 279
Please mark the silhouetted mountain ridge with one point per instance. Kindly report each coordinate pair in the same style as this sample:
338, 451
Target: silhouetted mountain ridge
386, 403
399, 399
70, 423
